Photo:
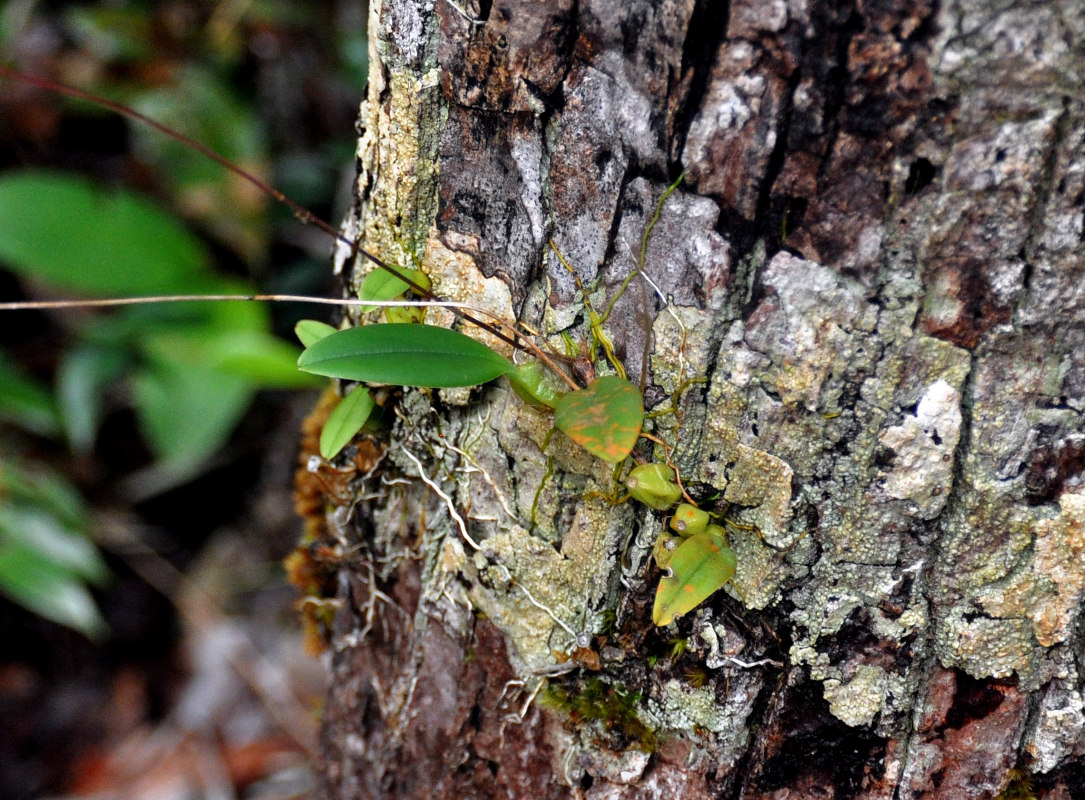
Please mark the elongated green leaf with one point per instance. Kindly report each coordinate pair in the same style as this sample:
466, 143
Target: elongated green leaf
44, 489
45, 556
311, 331
698, 567
346, 419
259, 357
404, 355
74, 234
605, 419
35, 527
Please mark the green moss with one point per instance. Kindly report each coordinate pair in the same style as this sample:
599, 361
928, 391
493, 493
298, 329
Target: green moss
599, 701
678, 648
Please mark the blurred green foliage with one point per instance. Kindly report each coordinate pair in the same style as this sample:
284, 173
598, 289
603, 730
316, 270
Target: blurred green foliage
188, 371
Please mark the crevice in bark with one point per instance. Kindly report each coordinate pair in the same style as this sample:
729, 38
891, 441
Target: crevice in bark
705, 36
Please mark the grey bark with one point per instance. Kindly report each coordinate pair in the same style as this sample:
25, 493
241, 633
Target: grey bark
866, 297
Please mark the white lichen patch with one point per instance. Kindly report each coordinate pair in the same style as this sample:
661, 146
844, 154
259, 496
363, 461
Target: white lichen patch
513, 561
839, 589
924, 444
754, 479
688, 706
532, 583
856, 702
759, 573
677, 706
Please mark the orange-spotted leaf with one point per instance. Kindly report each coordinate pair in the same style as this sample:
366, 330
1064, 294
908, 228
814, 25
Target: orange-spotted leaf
698, 567
604, 419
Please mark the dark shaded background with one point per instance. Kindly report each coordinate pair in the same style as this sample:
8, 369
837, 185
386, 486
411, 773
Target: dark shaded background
201, 685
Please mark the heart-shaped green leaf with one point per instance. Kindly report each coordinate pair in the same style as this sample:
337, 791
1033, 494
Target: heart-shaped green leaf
404, 355
604, 419
698, 567
346, 419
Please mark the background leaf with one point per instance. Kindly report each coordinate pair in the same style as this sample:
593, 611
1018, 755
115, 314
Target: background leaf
73, 233
187, 412
45, 557
404, 355
26, 402
83, 375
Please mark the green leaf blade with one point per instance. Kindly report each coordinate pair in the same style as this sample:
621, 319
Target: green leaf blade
605, 418
346, 419
381, 285
698, 567
311, 331
403, 354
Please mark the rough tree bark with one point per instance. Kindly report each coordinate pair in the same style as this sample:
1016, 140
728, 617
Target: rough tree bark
876, 266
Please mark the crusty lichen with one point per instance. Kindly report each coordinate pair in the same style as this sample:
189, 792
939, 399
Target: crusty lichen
1047, 589
858, 700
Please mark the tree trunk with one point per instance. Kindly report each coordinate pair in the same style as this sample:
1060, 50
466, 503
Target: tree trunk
860, 321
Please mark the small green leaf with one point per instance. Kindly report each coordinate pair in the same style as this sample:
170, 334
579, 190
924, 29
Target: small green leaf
404, 355
534, 384
654, 485
346, 419
688, 520
382, 285
310, 331
698, 567
605, 418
